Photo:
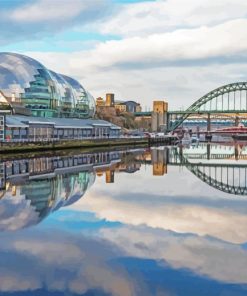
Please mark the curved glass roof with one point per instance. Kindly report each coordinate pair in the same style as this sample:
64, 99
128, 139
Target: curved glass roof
45, 92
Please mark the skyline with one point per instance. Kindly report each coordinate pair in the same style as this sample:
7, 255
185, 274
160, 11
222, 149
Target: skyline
142, 50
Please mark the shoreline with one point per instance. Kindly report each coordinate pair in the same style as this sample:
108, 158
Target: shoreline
27, 147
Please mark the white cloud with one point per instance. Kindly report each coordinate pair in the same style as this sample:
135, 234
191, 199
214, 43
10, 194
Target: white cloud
55, 11
181, 65
32, 21
159, 50
145, 18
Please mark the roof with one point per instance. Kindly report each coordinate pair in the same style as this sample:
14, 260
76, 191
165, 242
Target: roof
132, 102
23, 121
11, 121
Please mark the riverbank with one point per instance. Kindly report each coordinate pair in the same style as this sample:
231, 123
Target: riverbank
22, 147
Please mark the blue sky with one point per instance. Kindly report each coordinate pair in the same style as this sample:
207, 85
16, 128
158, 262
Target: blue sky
176, 50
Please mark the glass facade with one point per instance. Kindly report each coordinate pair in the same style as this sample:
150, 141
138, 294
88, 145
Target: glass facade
45, 92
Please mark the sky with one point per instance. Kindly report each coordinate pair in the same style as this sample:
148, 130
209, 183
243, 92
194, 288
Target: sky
174, 50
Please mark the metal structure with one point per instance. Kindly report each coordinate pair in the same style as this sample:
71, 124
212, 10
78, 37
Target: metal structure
228, 177
230, 98
227, 100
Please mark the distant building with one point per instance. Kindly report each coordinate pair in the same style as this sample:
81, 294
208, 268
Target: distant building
109, 100
100, 102
121, 107
138, 108
132, 106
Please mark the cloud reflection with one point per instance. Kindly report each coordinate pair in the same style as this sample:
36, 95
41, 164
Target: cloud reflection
61, 262
205, 256
156, 212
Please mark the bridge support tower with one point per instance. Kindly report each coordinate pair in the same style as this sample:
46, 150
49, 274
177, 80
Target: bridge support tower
208, 123
237, 120
208, 151
159, 116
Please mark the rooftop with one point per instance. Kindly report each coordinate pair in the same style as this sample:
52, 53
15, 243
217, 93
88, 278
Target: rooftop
21, 120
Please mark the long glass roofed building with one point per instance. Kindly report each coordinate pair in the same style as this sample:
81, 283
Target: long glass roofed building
44, 92
44, 104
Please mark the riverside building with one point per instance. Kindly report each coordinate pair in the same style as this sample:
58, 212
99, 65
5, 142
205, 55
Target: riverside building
37, 104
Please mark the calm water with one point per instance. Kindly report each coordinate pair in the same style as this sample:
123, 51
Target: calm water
164, 221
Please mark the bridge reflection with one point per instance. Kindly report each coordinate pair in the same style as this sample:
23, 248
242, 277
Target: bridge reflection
222, 167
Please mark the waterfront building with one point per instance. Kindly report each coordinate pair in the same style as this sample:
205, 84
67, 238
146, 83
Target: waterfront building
29, 128
39, 104
42, 91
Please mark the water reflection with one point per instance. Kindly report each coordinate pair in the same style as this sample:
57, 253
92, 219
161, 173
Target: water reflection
32, 188
160, 221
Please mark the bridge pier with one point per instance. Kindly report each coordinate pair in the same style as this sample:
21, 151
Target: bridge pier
208, 151
237, 151
208, 123
237, 120
159, 116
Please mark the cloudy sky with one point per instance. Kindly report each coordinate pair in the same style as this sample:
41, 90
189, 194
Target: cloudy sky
143, 50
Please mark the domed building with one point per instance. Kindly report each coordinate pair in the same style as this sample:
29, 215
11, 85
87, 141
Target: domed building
38, 104
46, 93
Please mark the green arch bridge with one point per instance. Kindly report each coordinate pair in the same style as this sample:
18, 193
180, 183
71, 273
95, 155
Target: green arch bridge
227, 99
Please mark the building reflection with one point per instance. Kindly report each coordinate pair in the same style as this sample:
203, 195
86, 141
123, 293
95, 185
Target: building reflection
31, 188
159, 162
38, 186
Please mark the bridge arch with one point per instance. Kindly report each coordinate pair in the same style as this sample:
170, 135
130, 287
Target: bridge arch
228, 97
230, 186
231, 179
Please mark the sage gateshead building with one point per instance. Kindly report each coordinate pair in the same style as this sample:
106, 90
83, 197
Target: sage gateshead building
37, 103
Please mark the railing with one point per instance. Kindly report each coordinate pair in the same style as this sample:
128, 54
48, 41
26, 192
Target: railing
38, 140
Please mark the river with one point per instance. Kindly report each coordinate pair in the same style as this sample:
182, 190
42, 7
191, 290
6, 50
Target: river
165, 221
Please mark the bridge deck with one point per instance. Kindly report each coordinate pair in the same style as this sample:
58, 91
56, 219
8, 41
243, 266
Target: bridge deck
233, 112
